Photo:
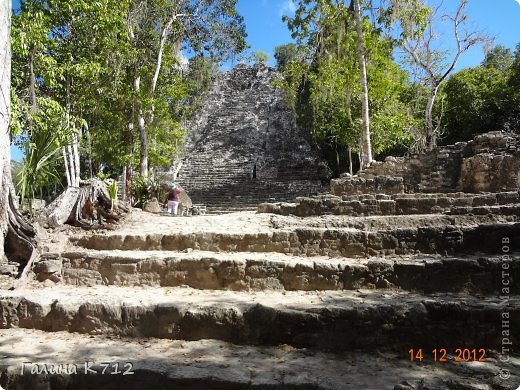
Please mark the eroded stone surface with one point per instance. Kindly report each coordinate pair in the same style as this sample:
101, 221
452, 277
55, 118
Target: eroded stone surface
490, 162
211, 364
259, 271
323, 241
330, 320
502, 203
383, 322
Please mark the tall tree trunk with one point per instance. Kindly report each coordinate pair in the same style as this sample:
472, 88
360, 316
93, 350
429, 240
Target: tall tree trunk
5, 110
431, 131
366, 149
129, 184
71, 165
66, 164
140, 119
10, 218
143, 134
32, 83
75, 153
69, 168
73, 147
89, 145
123, 184
164, 36
127, 170
351, 170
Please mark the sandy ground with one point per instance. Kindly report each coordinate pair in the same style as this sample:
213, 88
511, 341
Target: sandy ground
219, 362
246, 222
252, 222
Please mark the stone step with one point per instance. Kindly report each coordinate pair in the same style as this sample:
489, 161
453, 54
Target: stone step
217, 210
332, 320
505, 203
275, 271
213, 364
310, 241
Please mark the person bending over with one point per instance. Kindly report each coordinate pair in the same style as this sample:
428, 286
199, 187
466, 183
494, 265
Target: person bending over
173, 199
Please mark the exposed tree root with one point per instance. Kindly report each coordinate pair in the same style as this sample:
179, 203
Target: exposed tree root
88, 206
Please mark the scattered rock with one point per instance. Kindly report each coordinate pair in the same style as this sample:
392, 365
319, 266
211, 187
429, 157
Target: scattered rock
152, 206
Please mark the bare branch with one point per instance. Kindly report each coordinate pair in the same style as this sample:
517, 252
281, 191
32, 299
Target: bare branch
420, 50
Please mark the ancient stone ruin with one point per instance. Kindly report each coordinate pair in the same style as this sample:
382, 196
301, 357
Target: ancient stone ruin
396, 280
489, 163
479, 177
245, 147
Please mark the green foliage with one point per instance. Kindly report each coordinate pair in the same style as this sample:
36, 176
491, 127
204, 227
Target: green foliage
483, 98
196, 82
499, 58
165, 139
406, 19
147, 188
141, 190
511, 114
259, 57
102, 175
48, 135
473, 102
86, 55
322, 82
284, 55
112, 192
17, 116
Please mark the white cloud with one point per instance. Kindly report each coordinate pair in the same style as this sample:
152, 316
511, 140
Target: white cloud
518, 1
288, 7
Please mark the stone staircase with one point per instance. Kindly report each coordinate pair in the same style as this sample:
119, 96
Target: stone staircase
459, 203
374, 286
245, 147
268, 301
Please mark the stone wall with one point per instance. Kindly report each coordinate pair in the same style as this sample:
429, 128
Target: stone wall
245, 147
334, 242
488, 163
455, 203
479, 274
492, 163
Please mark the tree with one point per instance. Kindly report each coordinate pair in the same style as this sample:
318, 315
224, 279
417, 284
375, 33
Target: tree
260, 57
366, 148
323, 82
41, 150
475, 98
499, 58
5, 110
115, 68
511, 118
160, 27
61, 52
417, 38
285, 54
311, 22
13, 229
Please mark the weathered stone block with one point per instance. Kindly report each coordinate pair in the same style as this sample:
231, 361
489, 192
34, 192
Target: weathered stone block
48, 266
152, 206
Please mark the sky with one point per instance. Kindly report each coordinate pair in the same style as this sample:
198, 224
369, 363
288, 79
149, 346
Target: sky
497, 18
265, 29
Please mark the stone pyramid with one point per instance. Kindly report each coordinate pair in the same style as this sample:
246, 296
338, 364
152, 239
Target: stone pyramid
245, 146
